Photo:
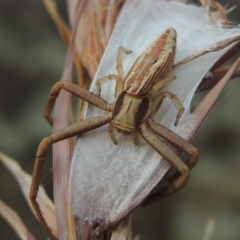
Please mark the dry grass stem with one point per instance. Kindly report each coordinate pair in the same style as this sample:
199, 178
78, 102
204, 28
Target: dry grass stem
15, 221
209, 228
24, 181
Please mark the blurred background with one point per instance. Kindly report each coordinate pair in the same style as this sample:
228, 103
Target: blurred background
31, 59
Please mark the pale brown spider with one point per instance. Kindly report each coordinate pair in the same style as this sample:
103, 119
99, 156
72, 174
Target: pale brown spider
138, 97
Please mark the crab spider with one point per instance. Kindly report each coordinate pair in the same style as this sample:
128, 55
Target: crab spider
138, 97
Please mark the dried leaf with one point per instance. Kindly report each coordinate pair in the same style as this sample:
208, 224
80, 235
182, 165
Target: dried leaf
24, 181
123, 230
94, 29
62, 151
203, 109
15, 221
63, 29
219, 13
209, 228
228, 55
65, 33
72, 6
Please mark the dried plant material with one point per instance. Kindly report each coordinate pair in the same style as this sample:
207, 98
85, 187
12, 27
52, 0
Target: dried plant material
71, 224
110, 181
203, 109
66, 35
209, 228
217, 72
113, 10
217, 75
62, 151
63, 29
214, 48
92, 43
15, 221
72, 6
94, 29
24, 181
123, 231
228, 55
219, 13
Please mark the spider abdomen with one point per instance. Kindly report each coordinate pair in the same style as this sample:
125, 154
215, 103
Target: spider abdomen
153, 65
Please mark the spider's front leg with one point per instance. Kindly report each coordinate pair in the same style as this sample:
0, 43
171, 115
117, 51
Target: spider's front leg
119, 78
119, 84
70, 131
77, 91
119, 65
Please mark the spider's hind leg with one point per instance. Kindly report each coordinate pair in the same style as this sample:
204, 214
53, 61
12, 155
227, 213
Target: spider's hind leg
180, 179
176, 140
158, 101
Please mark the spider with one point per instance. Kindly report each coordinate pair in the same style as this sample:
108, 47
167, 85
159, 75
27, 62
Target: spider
138, 97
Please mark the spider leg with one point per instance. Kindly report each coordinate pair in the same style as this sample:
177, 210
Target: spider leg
119, 83
176, 140
135, 137
163, 83
119, 78
119, 61
157, 101
168, 154
76, 90
111, 133
212, 48
70, 131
